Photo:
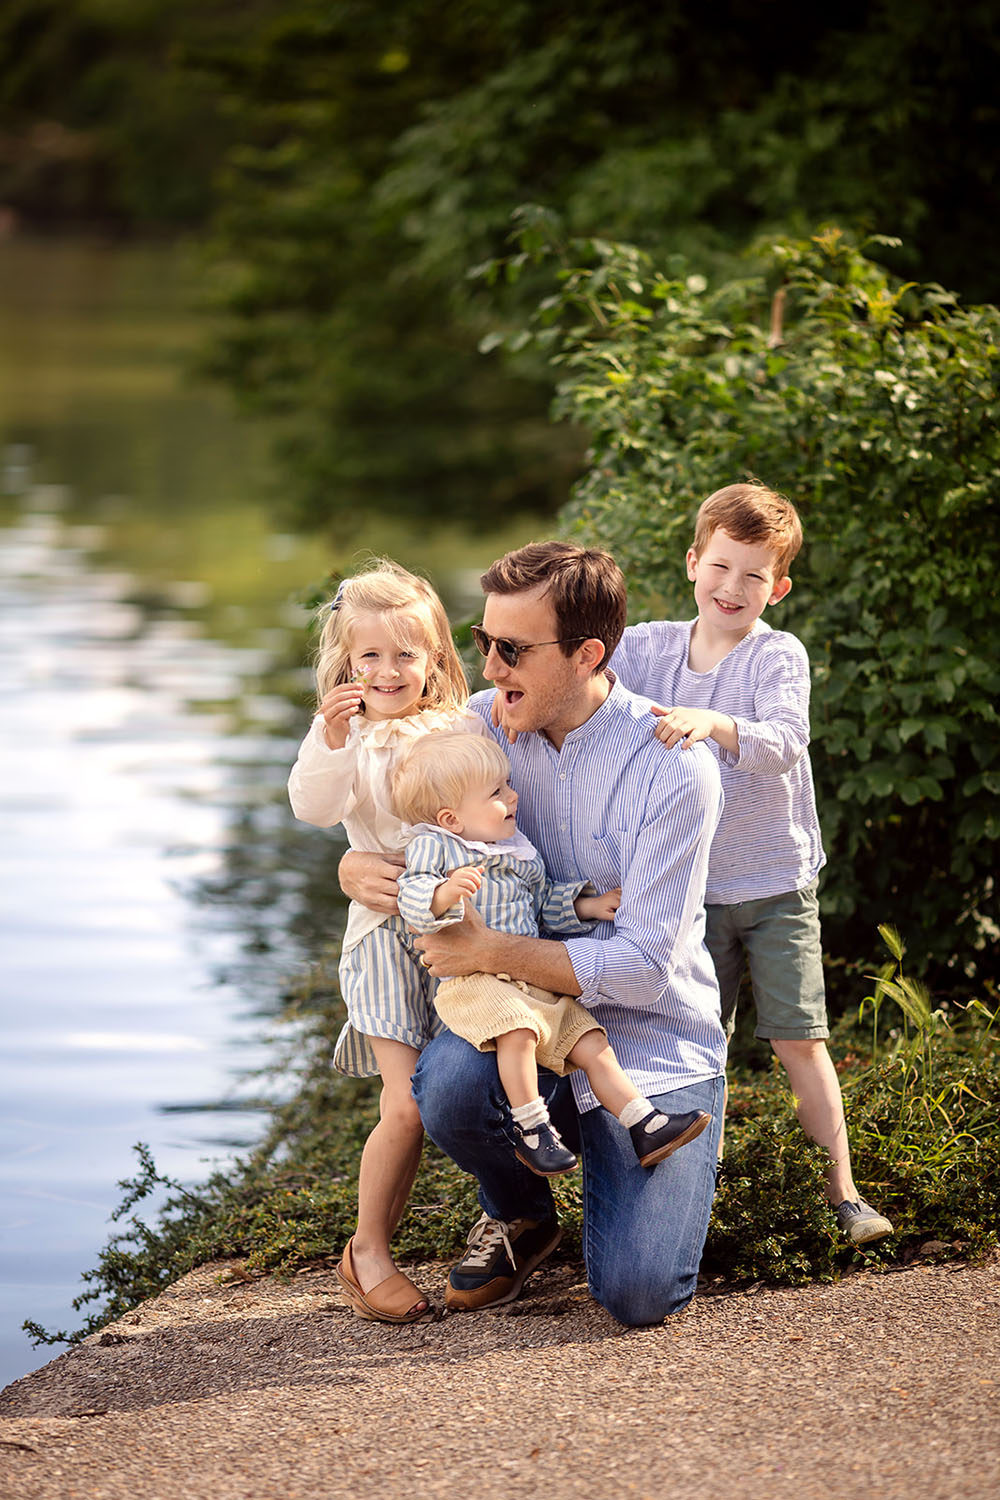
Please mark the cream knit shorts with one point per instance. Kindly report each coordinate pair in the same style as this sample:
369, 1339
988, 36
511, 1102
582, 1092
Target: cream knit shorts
481, 1007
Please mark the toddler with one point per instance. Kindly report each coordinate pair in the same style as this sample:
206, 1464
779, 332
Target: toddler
466, 846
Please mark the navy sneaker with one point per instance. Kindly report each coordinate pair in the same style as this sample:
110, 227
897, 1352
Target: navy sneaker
860, 1222
673, 1131
540, 1147
500, 1258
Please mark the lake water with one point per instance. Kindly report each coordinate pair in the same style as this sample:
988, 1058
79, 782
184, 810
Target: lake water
157, 893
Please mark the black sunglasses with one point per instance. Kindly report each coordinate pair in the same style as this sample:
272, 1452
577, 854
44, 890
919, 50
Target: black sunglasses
508, 651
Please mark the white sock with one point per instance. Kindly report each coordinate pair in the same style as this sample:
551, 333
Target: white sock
534, 1112
637, 1110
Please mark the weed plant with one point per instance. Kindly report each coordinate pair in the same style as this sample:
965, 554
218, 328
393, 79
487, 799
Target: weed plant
921, 1087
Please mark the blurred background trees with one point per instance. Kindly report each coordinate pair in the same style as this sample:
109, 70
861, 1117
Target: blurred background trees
347, 163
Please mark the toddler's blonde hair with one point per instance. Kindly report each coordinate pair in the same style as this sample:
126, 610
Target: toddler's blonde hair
414, 617
438, 770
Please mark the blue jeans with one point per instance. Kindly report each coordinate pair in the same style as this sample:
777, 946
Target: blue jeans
643, 1229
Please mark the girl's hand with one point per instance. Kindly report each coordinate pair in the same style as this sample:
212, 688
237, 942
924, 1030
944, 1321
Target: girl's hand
338, 709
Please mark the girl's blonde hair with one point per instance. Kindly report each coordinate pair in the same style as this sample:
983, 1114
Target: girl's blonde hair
413, 615
438, 770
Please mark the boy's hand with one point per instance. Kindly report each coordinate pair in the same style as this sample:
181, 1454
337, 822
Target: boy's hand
598, 908
686, 726
338, 709
496, 714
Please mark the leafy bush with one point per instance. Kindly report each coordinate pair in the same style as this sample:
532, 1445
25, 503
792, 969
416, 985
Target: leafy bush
874, 407
922, 1127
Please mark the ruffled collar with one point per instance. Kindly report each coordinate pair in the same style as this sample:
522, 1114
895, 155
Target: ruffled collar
408, 727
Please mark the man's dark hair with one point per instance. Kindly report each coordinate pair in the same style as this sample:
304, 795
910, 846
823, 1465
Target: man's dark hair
585, 585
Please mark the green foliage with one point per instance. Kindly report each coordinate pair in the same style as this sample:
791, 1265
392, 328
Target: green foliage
874, 407
923, 1141
99, 121
382, 149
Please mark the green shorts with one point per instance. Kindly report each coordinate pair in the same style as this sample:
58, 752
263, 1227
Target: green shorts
779, 937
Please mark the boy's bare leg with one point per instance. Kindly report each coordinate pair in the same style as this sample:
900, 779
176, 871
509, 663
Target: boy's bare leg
389, 1164
609, 1081
820, 1109
517, 1066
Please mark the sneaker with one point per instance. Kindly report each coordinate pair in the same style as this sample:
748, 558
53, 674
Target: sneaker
500, 1258
661, 1141
540, 1147
860, 1222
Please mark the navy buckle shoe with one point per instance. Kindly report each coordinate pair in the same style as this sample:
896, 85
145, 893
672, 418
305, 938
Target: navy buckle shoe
540, 1147
654, 1145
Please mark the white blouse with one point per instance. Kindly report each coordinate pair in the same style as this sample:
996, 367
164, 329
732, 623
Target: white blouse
351, 786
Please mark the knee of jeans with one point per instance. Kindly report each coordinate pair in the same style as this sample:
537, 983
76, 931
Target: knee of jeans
642, 1303
453, 1085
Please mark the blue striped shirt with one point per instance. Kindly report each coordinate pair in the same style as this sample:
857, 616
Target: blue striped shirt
615, 808
516, 894
768, 841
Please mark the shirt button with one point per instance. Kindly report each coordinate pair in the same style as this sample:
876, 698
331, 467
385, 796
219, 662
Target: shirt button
562, 775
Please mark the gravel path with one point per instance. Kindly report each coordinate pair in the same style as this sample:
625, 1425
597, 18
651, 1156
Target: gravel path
881, 1385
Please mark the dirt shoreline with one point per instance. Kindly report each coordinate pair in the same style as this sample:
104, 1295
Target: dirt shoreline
878, 1385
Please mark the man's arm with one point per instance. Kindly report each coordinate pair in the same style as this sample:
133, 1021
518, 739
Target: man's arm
470, 947
662, 898
372, 879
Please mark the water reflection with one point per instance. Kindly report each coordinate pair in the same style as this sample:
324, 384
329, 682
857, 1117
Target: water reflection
130, 1013
159, 899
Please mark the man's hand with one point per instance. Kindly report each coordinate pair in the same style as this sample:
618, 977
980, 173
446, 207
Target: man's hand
686, 726
372, 880
463, 948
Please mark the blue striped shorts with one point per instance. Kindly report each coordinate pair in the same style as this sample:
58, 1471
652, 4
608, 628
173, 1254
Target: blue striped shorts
388, 994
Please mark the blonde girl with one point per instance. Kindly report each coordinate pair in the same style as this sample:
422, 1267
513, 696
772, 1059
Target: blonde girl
387, 672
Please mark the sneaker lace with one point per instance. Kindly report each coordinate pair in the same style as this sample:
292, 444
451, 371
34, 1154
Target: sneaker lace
484, 1237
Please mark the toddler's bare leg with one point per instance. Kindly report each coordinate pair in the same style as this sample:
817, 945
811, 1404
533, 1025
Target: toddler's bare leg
517, 1066
608, 1079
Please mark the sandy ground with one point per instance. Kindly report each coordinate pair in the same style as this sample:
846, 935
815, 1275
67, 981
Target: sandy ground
882, 1385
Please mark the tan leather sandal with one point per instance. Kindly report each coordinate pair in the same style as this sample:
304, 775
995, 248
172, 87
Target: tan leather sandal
389, 1302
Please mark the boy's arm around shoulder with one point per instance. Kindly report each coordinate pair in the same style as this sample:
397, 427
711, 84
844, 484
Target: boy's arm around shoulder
774, 735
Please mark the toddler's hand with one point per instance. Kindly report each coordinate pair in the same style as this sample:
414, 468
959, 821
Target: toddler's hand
465, 881
600, 908
338, 709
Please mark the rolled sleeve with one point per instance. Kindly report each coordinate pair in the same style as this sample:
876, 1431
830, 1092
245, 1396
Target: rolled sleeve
662, 894
558, 913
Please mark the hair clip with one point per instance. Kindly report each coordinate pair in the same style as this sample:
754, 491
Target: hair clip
338, 597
